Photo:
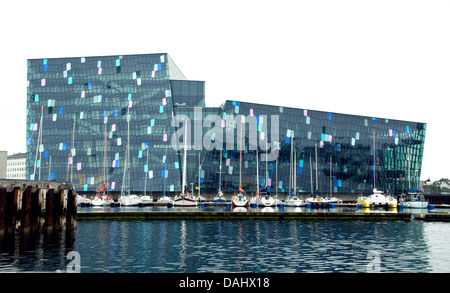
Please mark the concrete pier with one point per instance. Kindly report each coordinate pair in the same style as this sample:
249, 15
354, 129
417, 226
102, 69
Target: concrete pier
31, 206
230, 215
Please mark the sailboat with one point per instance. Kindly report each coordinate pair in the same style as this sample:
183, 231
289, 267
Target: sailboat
102, 198
332, 199
377, 198
254, 199
294, 200
164, 199
185, 198
199, 197
38, 150
315, 199
413, 198
219, 197
146, 199
265, 199
127, 199
240, 200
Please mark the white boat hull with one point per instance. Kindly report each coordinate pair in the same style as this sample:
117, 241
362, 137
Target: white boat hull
317, 201
146, 199
219, 199
416, 204
165, 199
239, 201
266, 202
101, 202
294, 203
185, 201
131, 200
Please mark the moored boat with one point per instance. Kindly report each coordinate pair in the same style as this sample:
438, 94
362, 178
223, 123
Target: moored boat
414, 200
185, 198
377, 199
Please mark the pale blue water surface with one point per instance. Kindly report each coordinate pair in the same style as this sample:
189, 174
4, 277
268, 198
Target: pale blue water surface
220, 246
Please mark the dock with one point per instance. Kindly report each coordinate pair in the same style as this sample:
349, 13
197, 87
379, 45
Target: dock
35, 206
231, 215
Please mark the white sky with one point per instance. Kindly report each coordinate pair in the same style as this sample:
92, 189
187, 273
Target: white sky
381, 58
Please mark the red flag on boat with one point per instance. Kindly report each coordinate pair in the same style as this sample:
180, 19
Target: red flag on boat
102, 189
240, 189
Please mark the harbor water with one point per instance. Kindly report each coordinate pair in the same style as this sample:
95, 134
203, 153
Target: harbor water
224, 246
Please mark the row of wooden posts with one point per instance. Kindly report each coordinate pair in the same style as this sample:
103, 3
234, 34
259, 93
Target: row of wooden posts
33, 206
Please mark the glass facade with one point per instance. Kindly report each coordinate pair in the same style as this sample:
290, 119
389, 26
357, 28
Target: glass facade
135, 99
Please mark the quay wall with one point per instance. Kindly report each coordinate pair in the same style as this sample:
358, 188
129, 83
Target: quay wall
32, 206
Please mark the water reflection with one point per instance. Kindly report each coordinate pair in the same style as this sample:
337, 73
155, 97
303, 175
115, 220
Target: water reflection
234, 246
35, 251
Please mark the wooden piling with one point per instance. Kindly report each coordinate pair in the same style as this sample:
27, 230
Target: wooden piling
71, 210
36, 205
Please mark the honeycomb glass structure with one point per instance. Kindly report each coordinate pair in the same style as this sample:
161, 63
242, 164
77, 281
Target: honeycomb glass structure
90, 120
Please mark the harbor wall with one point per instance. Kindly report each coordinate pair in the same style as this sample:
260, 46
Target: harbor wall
32, 206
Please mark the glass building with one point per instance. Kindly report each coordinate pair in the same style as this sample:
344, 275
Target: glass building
119, 120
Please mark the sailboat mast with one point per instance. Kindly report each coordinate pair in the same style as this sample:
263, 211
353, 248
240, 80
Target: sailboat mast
276, 177
291, 183
374, 173
146, 173
220, 172
128, 150
317, 177
164, 178
38, 147
266, 174
310, 171
331, 174
240, 157
257, 172
199, 168
72, 150
105, 163
49, 168
295, 173
184, 158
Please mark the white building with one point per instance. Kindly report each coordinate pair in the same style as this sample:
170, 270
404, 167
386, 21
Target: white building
15, 166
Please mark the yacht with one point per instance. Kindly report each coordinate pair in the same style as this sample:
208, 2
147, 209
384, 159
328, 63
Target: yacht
185, 198
415, 200
377, 199
130, 200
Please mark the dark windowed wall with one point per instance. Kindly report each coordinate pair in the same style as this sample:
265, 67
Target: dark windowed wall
345, 140
99, 91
